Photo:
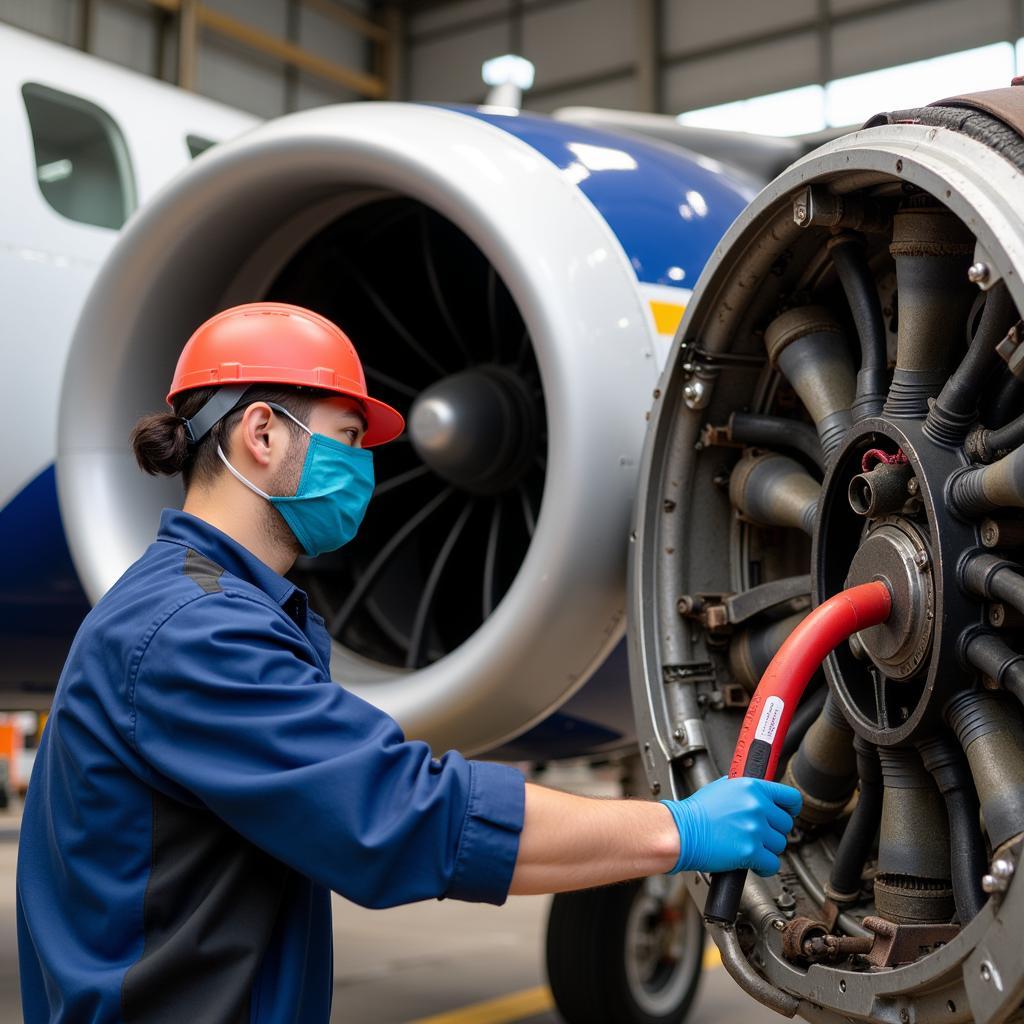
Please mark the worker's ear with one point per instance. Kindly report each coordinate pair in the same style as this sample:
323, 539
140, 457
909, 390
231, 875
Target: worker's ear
260, 431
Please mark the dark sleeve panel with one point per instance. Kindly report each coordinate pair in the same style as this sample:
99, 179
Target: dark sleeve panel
231, 706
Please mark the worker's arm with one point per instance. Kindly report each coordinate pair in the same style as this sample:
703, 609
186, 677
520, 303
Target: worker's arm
571, 842
574, 842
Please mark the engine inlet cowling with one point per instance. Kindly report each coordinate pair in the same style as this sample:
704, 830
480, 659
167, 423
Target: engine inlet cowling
485, 585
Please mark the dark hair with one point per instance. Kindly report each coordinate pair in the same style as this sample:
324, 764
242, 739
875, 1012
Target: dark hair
161, 446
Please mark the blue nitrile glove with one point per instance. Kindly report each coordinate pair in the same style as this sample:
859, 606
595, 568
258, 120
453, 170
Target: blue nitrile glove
734, 823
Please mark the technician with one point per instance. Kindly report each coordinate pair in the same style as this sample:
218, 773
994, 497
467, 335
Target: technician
202, 784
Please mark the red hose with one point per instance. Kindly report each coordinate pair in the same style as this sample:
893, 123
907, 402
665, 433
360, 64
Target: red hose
787, 675
778, 693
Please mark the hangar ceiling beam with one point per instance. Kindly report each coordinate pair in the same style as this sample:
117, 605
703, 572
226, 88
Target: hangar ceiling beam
195, 17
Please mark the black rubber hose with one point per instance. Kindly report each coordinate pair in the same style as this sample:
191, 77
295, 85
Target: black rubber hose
997, 660
775, 432
850, 261
994, 578
1007, 402
858, 839
956, 407
803, 718
945, 759
1005, 438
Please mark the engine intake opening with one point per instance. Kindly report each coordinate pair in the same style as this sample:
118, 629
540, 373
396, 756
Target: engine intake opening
458, 496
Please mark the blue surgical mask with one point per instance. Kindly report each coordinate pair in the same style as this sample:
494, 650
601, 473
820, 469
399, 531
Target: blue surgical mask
334, 489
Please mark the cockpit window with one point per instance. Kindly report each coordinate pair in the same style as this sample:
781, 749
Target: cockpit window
197, 144
82, 164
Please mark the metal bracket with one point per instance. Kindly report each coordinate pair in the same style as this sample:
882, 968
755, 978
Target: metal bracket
688, 672
689, 736
701, 368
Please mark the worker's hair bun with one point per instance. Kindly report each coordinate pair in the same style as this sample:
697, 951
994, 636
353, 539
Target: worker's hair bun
160, 444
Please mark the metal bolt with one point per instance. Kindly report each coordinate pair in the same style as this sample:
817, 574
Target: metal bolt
904, 1016
986, 971
978, 273
694, 394
989, 533
778, 924
655, 788
679, 735
800, 213
998, 879
996, 614
785, 900
921, 559
913, 486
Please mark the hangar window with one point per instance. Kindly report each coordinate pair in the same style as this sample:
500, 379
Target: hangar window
82, 164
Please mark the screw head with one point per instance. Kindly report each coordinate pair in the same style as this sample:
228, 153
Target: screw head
913, 486
694, 394
996, 614
778, 924
655, 788
1002, 868
978, 273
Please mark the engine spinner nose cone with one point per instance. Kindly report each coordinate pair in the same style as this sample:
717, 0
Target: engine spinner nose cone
894, 551
477, 429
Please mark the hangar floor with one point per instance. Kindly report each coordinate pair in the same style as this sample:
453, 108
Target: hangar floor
430, 963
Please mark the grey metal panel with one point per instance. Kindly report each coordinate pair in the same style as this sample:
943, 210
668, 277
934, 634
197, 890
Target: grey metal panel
126, 35
448, 68
449, 15
618, 94
241, 78
916, 32
55, 19
690, 25
329, 38
574, 39
737, 74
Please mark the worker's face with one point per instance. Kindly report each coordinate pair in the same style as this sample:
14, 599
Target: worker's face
272, 451
340, 418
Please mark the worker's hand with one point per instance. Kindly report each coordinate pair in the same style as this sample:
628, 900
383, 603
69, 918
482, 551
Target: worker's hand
734, 823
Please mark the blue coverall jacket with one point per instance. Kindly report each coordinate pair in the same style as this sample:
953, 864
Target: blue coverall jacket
202, 785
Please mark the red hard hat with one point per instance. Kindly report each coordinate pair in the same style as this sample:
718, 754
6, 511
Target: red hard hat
276, 343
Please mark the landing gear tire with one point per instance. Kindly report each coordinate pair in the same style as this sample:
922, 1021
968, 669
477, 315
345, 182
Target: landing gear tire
626, 954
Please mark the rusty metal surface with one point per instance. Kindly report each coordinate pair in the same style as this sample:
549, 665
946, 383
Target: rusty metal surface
896, 944
1006, 105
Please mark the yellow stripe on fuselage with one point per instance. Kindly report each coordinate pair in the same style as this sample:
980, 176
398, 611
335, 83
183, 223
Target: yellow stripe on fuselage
666, 316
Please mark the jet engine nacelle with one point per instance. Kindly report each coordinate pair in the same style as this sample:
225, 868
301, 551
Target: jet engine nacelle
512, 285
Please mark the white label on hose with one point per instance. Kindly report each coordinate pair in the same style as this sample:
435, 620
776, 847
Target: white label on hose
768, 723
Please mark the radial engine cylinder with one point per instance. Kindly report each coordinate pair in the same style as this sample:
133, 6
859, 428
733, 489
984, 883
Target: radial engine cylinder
989, 728
774, 490
824, 768
808, 346
913, 883
932, 249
